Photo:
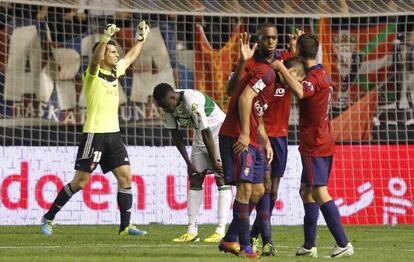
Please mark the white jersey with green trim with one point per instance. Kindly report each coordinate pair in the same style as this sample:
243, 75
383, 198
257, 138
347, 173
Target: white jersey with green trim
197, 111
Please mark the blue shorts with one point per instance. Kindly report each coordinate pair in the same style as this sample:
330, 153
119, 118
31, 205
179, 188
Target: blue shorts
316, 170
247, 166
279, 146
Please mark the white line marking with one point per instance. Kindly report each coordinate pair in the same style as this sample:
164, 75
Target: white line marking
173, 245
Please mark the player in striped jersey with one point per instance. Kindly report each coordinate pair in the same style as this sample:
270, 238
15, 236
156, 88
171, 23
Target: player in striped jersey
101, 141
193, 109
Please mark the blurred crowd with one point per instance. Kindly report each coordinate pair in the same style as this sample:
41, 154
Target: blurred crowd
66, 27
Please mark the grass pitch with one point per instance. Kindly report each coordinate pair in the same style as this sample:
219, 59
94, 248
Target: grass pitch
101, 243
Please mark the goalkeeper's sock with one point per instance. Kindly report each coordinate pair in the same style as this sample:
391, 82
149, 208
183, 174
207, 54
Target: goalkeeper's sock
333, 221
124, 199
223, 208
263, 214
62, 198
310, 221
194, 200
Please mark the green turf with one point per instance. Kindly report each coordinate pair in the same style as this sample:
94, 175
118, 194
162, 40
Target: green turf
101, 243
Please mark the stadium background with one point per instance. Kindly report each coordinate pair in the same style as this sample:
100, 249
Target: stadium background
366, 45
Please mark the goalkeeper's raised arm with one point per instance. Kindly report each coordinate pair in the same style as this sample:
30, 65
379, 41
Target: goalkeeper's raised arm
141, 36
101, 50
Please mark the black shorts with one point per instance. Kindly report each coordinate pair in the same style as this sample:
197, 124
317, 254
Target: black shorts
106, 149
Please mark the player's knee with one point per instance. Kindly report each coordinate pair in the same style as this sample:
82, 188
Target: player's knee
219, 180
196, 180
254, 198
124, 181
244, 192
321, 195
79, 184
316, 196
257, 192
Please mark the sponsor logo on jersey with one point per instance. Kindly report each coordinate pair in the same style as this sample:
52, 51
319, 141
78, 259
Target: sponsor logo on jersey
186, 122
280, 91
260, 109
259, 86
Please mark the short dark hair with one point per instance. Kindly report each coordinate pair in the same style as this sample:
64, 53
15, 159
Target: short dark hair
308, 45
161, 91
296, 62
263, 26
110, 42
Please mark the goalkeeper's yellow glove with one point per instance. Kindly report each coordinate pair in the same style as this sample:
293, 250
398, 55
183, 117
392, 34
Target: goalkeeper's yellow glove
142, 31
110, 30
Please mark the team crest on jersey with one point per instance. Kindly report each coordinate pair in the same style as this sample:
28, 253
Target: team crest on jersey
259, 86
307, 86
194, 107
280, 91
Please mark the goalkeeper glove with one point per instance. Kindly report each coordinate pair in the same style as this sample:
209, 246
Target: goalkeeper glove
142, 32
110, 30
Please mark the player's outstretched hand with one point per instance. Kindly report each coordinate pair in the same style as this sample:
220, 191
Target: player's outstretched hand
142, 31
293, 38
109, 31
246, 52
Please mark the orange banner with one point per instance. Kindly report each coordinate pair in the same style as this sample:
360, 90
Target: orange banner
213, 66
355, 123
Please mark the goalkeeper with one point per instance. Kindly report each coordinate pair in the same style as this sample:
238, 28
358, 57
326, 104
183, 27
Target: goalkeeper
101, 141
193, 109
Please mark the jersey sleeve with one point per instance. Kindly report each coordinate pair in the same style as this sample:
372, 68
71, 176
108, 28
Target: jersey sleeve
309, 86
87, 74
120, 68
195, 107
169, 121
284, 54
259, 80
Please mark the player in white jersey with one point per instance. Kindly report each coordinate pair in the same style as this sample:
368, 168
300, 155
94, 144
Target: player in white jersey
193, 109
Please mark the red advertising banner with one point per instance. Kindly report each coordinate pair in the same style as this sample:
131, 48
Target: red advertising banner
374, 184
